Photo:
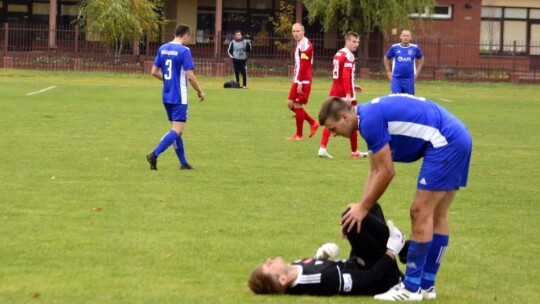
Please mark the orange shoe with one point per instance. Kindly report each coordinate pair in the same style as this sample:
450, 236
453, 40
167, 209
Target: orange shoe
295, 137
358, 154
314, 128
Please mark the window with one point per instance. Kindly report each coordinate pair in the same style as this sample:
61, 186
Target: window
436, 12
504, 30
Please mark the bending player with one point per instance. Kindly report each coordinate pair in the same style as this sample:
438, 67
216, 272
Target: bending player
370, 268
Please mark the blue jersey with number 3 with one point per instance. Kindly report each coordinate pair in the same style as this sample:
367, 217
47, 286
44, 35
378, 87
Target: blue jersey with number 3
174, 60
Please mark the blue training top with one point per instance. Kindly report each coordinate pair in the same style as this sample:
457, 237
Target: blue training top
408, 123
174, 60
403, 64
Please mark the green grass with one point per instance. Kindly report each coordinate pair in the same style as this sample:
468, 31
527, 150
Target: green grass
83, 219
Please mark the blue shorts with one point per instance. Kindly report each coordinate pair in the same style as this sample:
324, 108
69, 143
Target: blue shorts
402, 85
176, 112
446, 168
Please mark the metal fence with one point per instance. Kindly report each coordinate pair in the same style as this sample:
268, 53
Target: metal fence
27, 46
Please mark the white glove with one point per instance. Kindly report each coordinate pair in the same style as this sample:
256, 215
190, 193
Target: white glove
326, 251
396, 240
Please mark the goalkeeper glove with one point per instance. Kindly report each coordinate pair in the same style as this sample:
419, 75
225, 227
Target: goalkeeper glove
396, 239
326, 251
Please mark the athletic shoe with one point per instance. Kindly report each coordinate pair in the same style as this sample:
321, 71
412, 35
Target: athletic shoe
152, 159
429, 294
324, 154
295, 137
314, 128
245, 87
186, 167
399, 293
358, 154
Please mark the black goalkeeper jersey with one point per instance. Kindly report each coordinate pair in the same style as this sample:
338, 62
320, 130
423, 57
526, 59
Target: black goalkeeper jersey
345, 277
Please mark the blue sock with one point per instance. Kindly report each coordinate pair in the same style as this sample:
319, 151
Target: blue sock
165, 142
416, 259
433, 261
179, 149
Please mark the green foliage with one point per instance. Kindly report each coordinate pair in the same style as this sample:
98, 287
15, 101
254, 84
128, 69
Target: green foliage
84, 220
364, 16
119, 22
282, 23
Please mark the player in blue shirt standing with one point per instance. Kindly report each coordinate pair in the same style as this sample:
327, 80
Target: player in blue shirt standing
174, 66
405, 128
404, 69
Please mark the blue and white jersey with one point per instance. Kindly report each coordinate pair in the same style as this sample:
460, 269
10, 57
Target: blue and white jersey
403, 62
409, 124
174, 60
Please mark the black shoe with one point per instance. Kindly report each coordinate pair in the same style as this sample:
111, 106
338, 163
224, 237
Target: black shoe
152, 159
403, 253
186, 167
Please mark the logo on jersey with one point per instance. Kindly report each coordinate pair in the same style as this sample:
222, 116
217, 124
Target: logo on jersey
410, 52
347, 282
423, 181
404, 59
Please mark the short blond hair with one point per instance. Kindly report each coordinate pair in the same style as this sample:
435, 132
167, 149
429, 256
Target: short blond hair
261, 283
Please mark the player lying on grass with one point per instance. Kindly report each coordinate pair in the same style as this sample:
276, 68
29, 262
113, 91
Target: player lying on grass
370, 269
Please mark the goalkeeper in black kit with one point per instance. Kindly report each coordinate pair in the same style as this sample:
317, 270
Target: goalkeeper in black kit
370, 269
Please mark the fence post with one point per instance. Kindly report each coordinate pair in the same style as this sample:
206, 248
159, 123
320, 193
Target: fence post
438, 53
6, 37
147, 46
76, 41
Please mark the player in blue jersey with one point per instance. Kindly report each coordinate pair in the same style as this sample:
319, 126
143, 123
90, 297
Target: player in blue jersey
370, 268
405, 128
174, 66
407, 62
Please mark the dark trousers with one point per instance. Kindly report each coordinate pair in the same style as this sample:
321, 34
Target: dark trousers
240, 67
370, 244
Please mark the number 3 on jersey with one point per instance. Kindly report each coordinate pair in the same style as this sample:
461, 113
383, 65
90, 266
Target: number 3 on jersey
168, 64
335, 72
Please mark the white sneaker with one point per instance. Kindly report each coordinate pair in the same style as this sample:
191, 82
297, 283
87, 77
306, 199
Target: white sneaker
399, 293
429, 294
324, 153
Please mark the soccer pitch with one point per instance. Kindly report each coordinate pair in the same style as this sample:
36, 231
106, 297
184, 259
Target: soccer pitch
84, 220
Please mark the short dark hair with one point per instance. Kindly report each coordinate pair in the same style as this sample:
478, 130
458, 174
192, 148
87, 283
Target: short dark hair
238, 31
181, 30
332, 107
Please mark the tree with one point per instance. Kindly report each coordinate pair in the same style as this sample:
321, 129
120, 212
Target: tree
282, 23
119, 22
365, 16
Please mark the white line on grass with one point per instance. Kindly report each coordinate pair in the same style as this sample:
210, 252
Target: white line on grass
444, 99
41, 91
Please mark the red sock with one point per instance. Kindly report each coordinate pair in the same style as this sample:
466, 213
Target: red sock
354, 141
325, 137
308, 118
299, 121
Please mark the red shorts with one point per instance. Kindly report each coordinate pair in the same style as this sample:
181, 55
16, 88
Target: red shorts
300, 98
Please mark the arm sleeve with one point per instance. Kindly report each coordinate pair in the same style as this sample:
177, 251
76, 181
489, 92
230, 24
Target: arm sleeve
347, 78
248, 47
230, 50
305, 60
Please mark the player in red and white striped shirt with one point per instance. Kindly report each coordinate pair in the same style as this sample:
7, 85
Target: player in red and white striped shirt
301, 87
343, 86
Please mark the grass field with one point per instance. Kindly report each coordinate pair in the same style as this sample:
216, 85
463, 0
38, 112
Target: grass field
84, 220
